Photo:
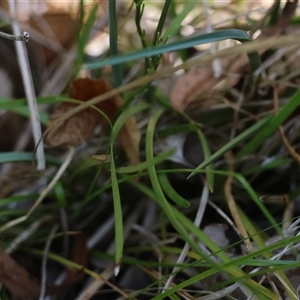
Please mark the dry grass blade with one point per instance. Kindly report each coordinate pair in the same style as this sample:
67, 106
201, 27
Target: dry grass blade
232, 206
96, 284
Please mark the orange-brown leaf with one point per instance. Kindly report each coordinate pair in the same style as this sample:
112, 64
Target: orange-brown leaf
80, 127
201, 80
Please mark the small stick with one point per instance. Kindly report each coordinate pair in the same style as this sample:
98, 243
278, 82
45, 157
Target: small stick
24, 37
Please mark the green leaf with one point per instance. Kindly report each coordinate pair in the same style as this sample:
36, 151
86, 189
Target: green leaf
171, 192
10, 157
240, 138
113, 42
221, 35
272, 125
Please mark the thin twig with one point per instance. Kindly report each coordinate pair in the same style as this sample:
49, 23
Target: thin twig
24, 235
24, 37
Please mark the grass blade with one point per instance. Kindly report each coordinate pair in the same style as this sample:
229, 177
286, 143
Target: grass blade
240, 138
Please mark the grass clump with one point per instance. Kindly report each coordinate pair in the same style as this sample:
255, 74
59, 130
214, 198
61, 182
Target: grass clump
187, 188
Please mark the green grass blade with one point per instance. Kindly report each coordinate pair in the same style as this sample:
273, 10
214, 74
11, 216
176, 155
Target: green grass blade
240, 138
161, 22
10, 157
170, 191
124, 117
272, 126
159, 195
83, 39
176, 21
113, 42
141, 166
207, 154
119, 235
221, 35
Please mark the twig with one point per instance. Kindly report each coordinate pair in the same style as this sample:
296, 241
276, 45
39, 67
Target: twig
24, 37
28, 86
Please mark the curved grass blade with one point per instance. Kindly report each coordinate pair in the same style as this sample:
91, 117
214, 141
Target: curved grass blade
159, 195
119, 236
171, 192
141, 166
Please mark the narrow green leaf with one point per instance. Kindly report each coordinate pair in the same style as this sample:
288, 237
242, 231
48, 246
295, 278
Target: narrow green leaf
174, 46
171, 192
113, 42
176, 21
119, 235
141, 166
272, 125
240, 138
124, 117
10, 157
83, 39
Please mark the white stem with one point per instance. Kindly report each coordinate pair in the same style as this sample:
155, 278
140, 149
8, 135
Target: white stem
29, 89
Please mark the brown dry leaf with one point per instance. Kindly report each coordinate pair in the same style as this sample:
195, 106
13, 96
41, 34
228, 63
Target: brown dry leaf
201, 80
18, 281
74, 131
80, 127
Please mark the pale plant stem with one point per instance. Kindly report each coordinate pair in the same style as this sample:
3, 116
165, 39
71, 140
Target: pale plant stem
29, 89
216, 64
44, 262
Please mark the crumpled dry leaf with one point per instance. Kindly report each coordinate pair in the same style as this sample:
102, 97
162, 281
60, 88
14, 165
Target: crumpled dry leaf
75, 131
201, 80
80, 127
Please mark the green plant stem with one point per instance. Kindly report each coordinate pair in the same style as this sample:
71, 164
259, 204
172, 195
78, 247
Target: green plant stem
139, 10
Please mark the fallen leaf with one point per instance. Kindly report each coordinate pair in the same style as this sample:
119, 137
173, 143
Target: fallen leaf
202, 80
74, 131
80, 126
16, 279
